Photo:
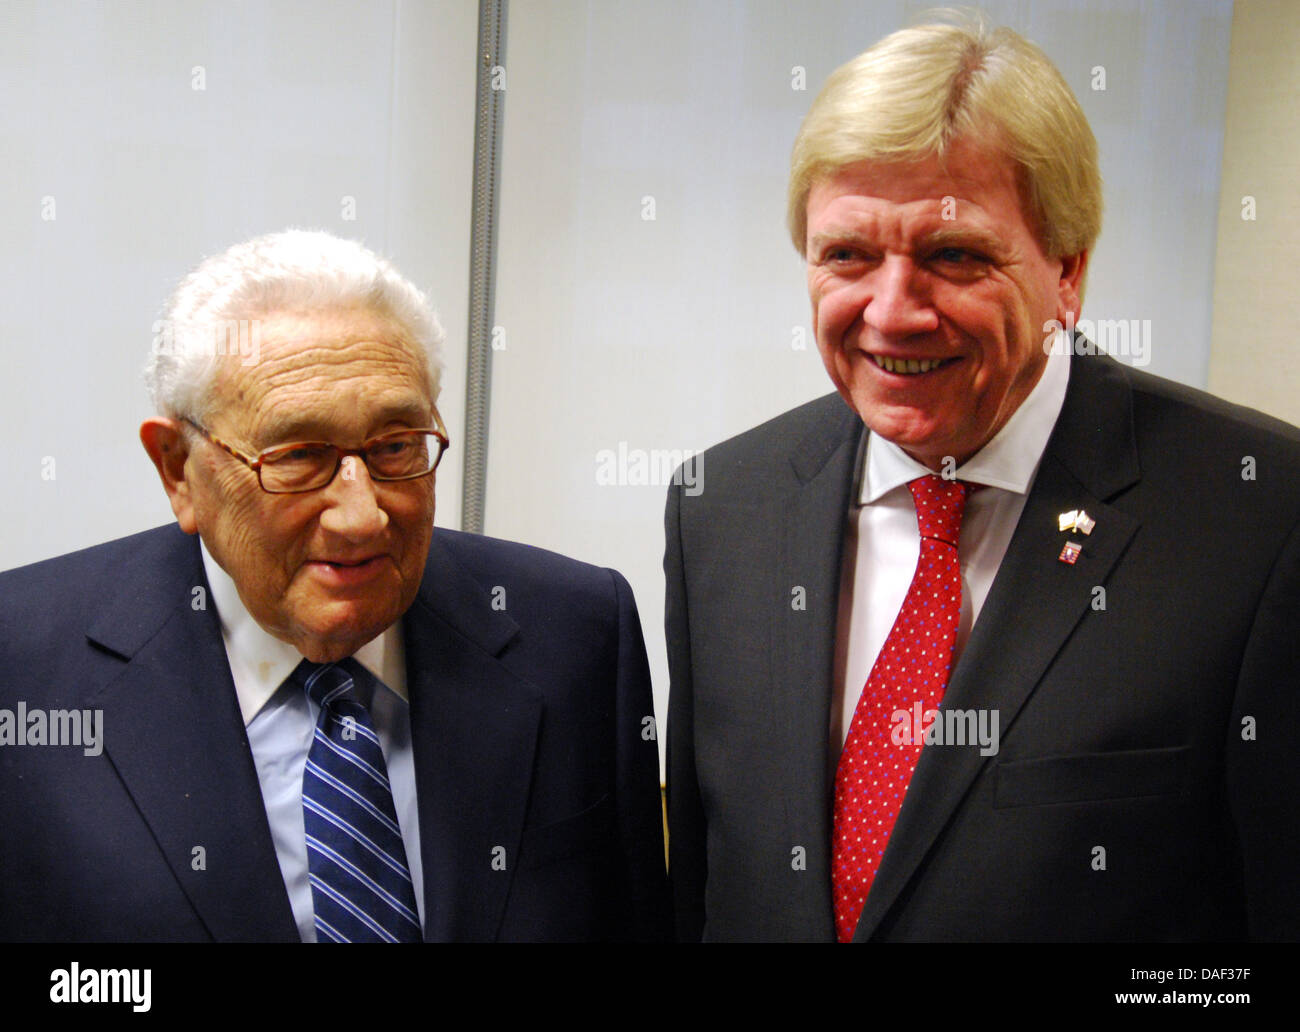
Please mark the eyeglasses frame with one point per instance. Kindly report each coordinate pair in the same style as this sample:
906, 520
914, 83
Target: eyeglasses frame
255, 462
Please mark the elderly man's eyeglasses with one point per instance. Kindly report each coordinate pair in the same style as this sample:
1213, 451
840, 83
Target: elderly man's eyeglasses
308, 465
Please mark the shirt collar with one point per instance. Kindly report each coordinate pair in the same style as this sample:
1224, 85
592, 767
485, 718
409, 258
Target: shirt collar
260, 662
1009, 461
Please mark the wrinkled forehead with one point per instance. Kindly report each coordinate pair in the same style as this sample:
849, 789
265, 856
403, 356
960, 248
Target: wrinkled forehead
332, 363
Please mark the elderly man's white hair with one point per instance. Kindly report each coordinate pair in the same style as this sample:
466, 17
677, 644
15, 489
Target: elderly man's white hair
295, 270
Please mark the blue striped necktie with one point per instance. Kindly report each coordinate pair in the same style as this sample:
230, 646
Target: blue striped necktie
360, 882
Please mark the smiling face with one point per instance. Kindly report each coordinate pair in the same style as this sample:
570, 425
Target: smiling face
930, 292
326, 570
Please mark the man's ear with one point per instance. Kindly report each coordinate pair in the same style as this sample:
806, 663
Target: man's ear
1069, 296
165, 442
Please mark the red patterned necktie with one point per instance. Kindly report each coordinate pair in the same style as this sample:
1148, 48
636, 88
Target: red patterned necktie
912, 667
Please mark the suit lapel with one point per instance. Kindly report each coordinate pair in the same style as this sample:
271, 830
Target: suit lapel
174, 734
1032, 608
811, 537
474, 726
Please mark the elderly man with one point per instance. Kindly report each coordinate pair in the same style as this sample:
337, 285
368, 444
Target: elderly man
1002, 640
321, 719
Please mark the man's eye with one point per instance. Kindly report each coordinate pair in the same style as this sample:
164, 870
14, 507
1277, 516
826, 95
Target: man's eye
304, 453
957, 256
840, 255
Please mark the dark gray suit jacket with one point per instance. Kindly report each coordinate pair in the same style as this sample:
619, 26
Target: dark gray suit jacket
1161, 728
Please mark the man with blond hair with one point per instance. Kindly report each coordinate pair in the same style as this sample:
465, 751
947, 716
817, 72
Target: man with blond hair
316, 717
1001, 641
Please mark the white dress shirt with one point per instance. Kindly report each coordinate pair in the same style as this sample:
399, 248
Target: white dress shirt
281, 720
882, 543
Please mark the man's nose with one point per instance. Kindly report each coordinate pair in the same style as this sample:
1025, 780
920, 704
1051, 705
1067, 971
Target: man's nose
353, 510
898, 304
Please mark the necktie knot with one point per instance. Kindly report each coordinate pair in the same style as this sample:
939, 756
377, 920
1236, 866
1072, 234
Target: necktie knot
940, 504
328, 683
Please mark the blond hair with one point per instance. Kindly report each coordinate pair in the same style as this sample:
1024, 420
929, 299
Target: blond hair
920, 89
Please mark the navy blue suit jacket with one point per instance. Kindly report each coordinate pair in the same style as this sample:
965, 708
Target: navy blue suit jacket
528, 726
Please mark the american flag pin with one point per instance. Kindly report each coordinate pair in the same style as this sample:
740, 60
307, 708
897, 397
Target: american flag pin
1070, 553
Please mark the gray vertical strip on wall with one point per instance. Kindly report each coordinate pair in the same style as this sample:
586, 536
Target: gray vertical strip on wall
489, 108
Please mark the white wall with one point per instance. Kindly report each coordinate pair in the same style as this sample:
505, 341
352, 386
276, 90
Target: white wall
680, 331
1254, 359
304, 104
